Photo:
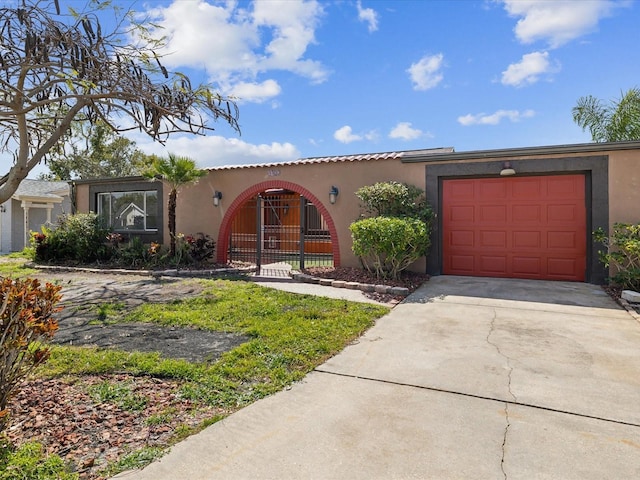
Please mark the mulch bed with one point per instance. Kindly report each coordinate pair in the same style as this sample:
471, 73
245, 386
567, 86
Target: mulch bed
61, 415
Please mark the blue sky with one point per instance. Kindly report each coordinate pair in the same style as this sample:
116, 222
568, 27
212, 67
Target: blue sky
336, 77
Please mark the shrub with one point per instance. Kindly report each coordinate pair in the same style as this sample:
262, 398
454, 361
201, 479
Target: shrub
623, 253
80, 238
388, 245
201, 247
25, 322
136, 254
394, 199
398, 230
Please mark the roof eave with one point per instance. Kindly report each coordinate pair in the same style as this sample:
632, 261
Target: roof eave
524, 151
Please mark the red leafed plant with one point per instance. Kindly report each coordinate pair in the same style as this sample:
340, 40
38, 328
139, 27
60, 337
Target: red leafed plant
26, 322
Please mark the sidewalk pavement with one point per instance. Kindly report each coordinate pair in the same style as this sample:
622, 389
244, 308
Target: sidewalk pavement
468, 378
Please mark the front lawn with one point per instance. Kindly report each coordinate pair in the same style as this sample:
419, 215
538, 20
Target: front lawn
167, 399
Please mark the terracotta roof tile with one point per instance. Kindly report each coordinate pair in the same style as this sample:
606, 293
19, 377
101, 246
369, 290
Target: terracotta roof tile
342, 158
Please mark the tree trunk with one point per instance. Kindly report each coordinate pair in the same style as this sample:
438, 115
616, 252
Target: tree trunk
172, 221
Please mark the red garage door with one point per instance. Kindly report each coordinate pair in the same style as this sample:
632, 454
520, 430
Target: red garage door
520, 227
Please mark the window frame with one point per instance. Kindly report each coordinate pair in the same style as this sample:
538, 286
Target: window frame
135, 185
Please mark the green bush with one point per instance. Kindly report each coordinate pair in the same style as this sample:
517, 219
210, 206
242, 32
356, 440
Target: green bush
398, 230
623, 253
394, 199
80, 238
388, 245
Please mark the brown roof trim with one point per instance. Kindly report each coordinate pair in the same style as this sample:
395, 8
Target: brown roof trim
524, 151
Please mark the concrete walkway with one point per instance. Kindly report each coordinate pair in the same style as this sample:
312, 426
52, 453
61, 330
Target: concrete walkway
469, 378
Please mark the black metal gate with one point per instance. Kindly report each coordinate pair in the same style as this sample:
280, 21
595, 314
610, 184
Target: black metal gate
280, 226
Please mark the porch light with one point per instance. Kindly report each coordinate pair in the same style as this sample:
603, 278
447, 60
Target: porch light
217, 196
333, 194
507, 169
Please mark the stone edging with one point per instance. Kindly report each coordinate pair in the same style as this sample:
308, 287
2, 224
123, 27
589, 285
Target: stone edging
297, 276
627, 306
148, 273
364, 287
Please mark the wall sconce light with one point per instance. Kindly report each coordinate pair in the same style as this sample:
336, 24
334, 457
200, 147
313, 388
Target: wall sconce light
507, 169
333, 194
285, 209
217, 196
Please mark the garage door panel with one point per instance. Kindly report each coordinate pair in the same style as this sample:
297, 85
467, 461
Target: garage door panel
529, 266
527, 240
526, 213
568, 240
563, 213
493, 265
493, 189
525, 227
461, 238
527, 188
493, 239
493, 213
462, 213
559, 187
462, 189
462, 263
562, 267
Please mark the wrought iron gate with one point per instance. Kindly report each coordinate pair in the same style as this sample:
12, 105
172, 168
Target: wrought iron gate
280, 226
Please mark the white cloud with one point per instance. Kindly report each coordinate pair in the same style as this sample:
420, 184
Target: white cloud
235, 45
255, 92
214, 150
529, 69
426, 73
404, 131
494, 118
559, 21
346, 135
369, 16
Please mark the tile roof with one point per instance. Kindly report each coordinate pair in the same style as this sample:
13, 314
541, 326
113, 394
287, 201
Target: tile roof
343, 158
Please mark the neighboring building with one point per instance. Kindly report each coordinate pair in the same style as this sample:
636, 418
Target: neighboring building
35, 203
522, 212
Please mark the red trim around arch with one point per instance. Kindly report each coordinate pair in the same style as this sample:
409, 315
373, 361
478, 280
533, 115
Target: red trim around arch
225, 227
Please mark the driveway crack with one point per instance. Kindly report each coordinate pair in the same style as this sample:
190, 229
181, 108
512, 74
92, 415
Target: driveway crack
504, 439
497, 347
492, 330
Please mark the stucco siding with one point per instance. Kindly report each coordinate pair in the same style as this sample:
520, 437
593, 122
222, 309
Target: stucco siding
624, 187
196, 212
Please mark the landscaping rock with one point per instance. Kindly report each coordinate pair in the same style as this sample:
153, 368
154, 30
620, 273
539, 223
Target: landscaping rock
630, 296
381, 288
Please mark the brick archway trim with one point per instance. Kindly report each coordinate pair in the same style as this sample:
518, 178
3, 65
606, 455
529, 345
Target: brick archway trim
225, 227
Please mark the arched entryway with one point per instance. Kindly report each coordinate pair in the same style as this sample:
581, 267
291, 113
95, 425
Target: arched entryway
278, 221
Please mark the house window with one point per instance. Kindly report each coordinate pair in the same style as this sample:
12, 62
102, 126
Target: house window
135, 211
315, 224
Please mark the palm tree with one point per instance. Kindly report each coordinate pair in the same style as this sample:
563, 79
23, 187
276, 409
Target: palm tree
618, 121
176, 171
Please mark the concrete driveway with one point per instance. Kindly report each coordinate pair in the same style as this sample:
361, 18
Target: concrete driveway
469, 378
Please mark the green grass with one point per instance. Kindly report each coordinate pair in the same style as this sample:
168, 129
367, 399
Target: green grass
14, 266
288, 335
118, 393
133, 460
30, 462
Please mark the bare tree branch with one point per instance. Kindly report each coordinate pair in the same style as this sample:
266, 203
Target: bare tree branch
57, 68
